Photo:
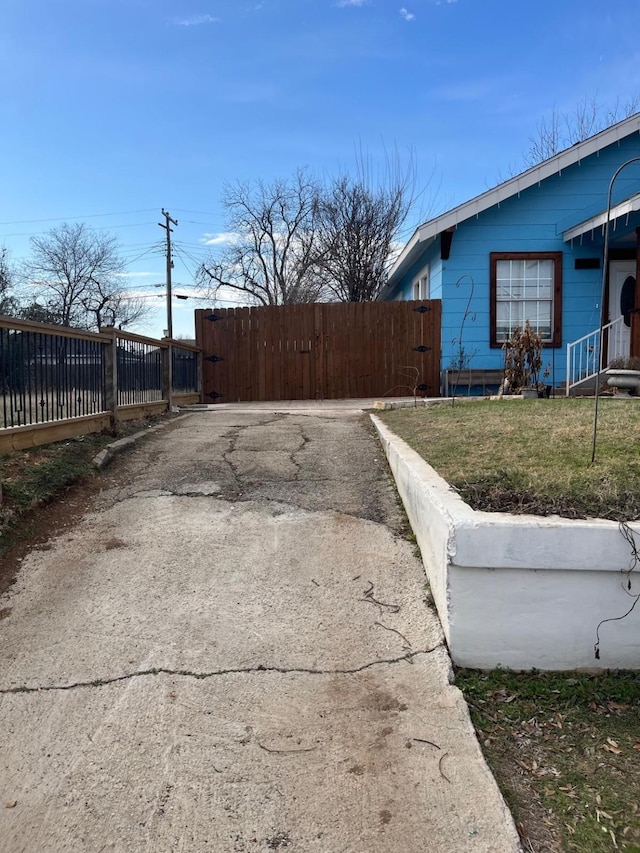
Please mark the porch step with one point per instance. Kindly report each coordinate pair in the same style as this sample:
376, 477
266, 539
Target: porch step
586, 387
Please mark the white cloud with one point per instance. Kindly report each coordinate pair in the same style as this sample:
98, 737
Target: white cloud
406, 14
196, 21
219, 239
343, 3
136, 274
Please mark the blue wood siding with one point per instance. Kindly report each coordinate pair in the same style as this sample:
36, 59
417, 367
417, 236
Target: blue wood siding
530, 222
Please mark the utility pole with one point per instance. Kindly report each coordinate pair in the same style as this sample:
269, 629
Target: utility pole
168, 369
167, 227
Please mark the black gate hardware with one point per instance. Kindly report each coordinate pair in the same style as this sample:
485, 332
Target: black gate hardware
213, 317
423, 387
304, 351
421, 348
214, 395
214, 358
422, 309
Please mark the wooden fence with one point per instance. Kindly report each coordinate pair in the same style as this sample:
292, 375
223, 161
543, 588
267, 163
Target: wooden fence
57, 382
321, 351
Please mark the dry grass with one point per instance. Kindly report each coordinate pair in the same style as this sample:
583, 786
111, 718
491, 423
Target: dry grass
532, 456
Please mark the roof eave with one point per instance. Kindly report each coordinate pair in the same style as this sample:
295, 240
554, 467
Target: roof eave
409, 255
535, 175
623, 208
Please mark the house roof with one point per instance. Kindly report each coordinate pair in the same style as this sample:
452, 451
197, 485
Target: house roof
628, 205
428, 232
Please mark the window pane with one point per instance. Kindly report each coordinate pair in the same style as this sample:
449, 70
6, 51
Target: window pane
539, 316
509, 315
538, 290
524, 291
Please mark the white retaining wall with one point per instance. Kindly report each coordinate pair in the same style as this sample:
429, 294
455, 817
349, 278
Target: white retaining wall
519, 591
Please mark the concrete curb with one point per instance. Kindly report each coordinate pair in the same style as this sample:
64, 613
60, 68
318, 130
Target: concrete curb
519, 592
102, 459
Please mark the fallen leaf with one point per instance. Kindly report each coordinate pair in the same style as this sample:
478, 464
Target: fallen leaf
11, 804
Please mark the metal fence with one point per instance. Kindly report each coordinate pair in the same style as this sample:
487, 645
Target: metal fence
47, 376
51, 373
184, 369
140, 370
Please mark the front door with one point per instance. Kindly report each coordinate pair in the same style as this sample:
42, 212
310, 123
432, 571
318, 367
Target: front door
622, 287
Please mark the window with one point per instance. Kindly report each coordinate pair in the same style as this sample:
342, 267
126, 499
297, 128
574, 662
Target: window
421, 286
526, 286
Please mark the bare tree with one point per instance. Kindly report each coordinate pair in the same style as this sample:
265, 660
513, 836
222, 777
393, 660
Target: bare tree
8, 302
75, 271
560, 130
272, 253
107, 304
359, 223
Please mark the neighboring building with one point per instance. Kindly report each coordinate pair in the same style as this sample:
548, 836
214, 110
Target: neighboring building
533, 247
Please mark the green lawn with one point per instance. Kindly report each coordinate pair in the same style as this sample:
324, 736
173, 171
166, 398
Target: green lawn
565, 749
532, 456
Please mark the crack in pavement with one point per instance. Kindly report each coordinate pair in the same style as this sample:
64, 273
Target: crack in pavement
305, 440
200, 676
232, 437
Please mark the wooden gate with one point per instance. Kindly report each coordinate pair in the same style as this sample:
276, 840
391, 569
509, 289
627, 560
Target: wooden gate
324, 351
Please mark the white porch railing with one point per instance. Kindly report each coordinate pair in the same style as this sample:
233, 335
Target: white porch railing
582, 354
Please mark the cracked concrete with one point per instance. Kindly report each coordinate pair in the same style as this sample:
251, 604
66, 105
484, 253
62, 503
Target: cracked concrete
231, 651
199, 676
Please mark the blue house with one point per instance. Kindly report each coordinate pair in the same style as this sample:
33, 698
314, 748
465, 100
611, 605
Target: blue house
532, 249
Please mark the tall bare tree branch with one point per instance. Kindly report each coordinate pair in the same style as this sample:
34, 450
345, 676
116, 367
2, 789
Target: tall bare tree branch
272, 257
560, 130
8, 302
360, 221
75, 273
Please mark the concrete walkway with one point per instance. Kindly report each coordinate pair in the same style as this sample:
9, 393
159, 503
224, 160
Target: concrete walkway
232, 651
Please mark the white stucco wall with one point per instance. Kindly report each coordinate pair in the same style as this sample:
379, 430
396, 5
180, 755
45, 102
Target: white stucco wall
518, 591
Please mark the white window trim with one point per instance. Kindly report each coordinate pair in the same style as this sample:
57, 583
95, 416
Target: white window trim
421, 286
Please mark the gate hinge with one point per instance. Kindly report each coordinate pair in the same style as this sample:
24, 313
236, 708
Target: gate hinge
214, 358
421, 348
423, 387
422, 309
215, 395
213, 317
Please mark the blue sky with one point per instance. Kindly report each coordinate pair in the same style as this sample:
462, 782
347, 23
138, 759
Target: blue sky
112, 109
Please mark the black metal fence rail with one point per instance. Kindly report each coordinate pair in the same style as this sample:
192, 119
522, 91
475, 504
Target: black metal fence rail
48, 376
53, 373
184, 369
140, 372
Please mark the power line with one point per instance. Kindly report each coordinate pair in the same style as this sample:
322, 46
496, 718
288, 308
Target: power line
85, 216
197, 212
88, 228
155, 248
195, 222
182, 253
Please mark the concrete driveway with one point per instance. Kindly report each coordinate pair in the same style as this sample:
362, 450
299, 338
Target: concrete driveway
233, 651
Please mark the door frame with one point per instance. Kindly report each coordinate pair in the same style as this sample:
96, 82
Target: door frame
627, 268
